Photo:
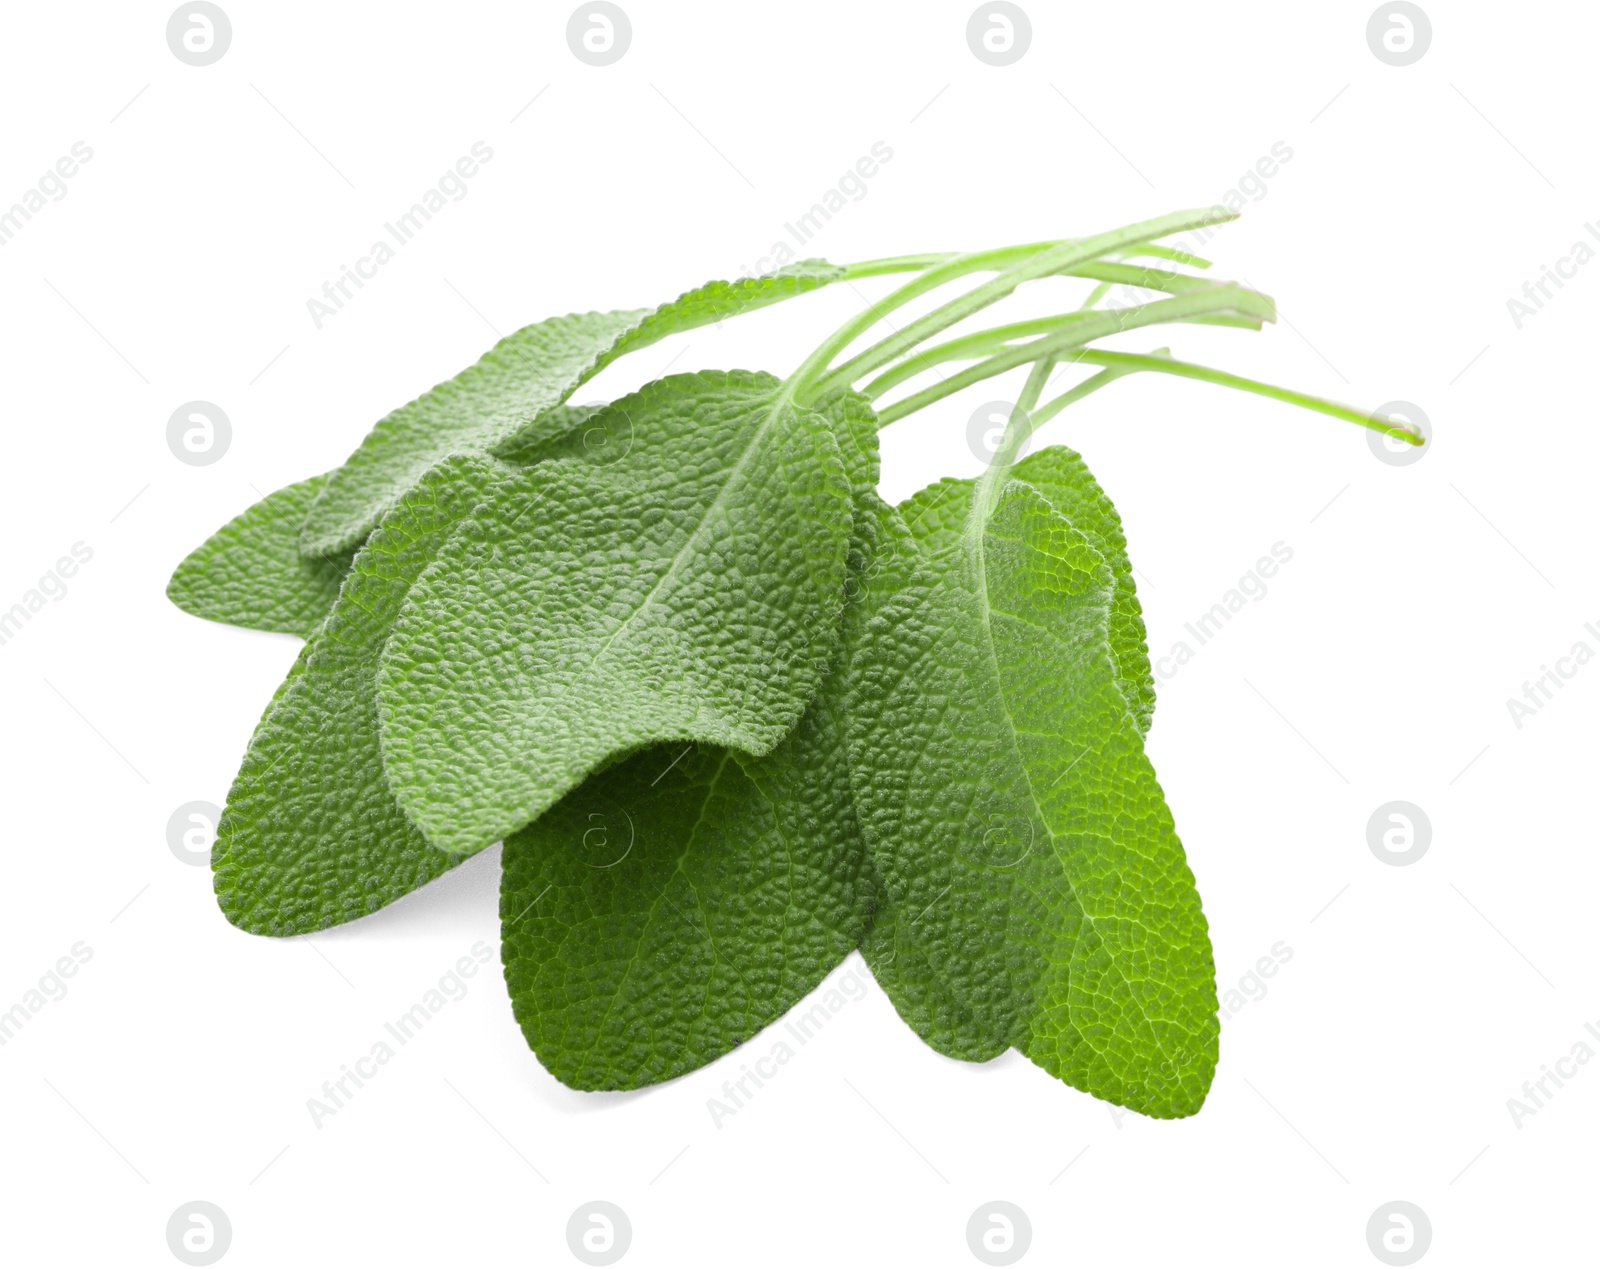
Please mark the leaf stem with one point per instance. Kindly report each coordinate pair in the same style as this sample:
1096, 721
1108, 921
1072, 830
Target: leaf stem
1056, 258
1133, 363
895, 264
985, 342
930, 279
1018, 428
1221, 298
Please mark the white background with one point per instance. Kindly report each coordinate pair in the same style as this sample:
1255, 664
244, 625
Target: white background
1419, 598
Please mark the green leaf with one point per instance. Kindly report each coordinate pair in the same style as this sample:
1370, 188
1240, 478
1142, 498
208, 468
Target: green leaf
689, 592
937, 514
928, 522
250, 571
311, 835
1001, 782
678, 902
675, 904
920, 996
563, 432
502, 398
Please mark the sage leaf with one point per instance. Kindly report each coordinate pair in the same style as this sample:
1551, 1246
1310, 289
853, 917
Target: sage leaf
250, 571
501, 399
690, 592
1001, 782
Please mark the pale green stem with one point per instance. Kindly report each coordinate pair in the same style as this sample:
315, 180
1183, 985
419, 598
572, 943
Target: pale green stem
918, 360
1095, 296
1159, 252
971, 347
1018, 428
895, 264
817, 363
1054, 259
1224, 298
1133, 363
1092, 384
984, 343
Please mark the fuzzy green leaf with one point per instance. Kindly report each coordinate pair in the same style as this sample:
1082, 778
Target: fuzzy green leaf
250, 571
1001, 781
920, 996
676, 903
928, 522
688, 592
311, 835
500, 400
937, 514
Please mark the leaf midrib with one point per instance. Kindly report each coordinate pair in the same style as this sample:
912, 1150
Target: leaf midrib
784, 397
982, 599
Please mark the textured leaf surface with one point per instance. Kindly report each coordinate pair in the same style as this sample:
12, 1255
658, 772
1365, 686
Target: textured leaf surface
499, 401
312, 835
564, 432
678, 902
920, 996
1003, 788
250, 571
937, 514
690, 592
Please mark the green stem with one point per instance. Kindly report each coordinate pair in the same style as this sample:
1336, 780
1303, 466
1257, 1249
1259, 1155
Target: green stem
1054, 259
1141, 275
1158, 252
1018, 428
984, 343
971, 347
895, 264
981, 343
1133, 363
1095, 296
919, 359
1223, 298
817, 363
1092, 384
